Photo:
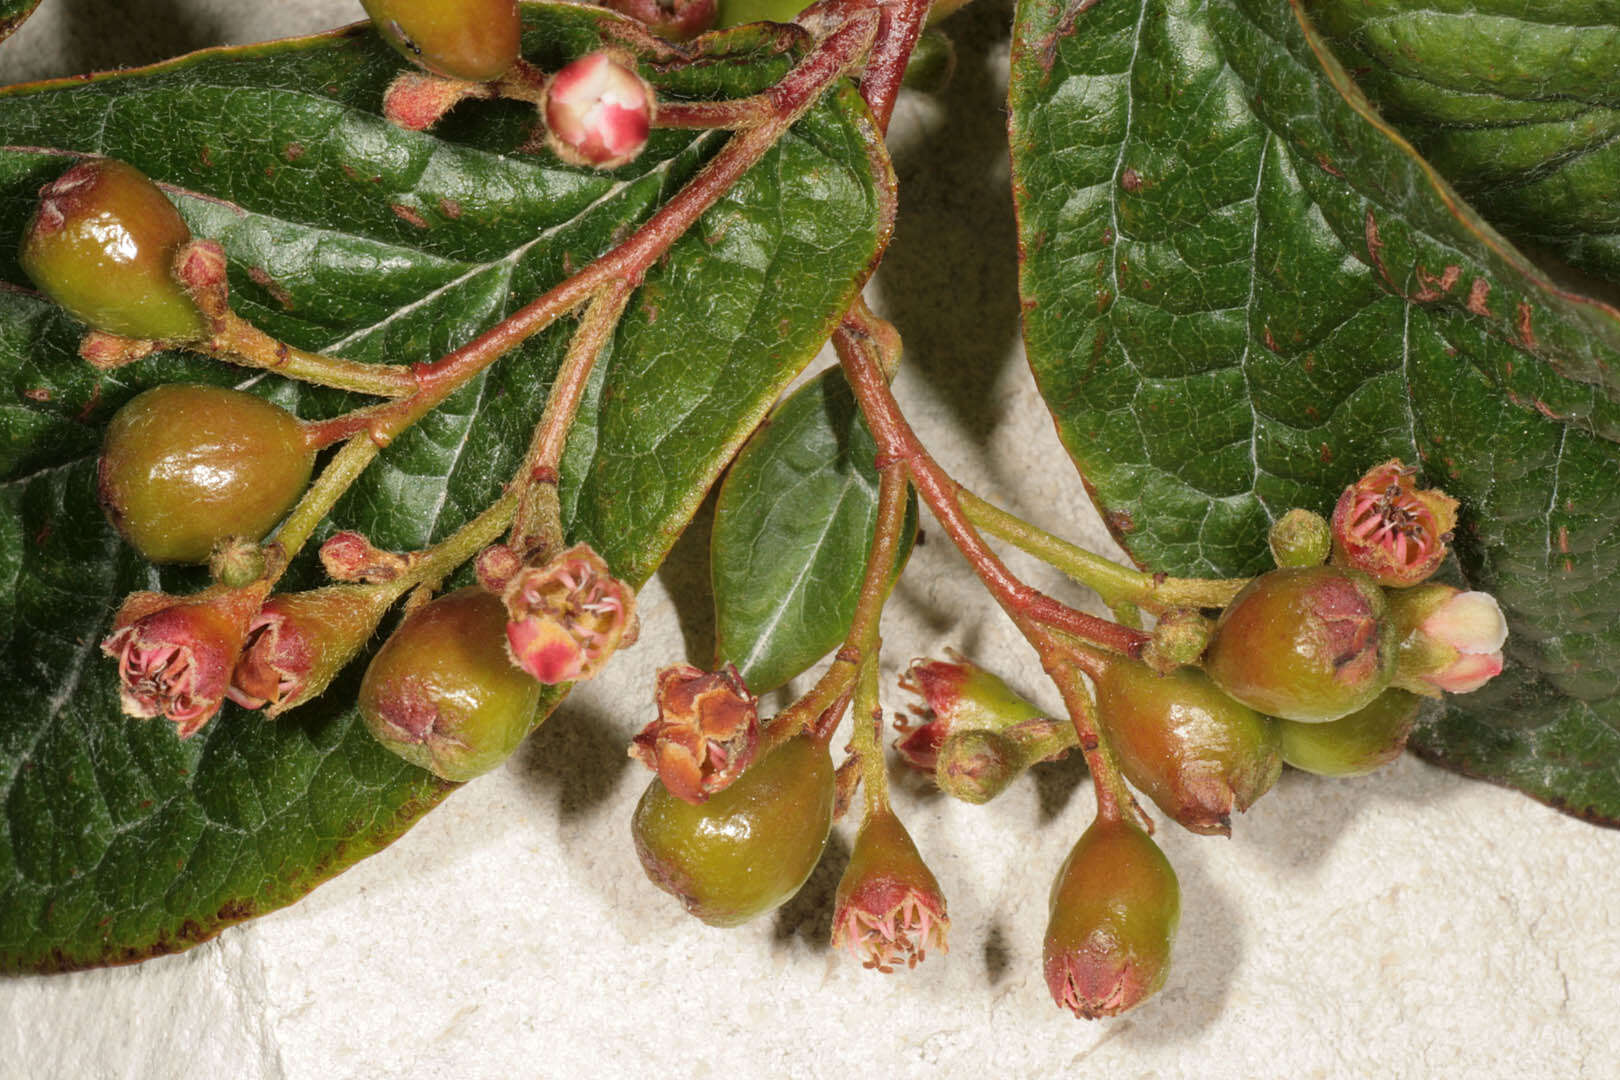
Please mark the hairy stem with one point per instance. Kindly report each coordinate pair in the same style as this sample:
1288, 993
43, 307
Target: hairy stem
243, 343
537, 524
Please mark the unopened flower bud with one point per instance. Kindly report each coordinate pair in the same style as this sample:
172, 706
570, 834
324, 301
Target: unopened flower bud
299, 642
1195, 752
1449, 639
566, 618
1389, 530
957, 695
175, 654
1353, 745
597, 112
889, 910
976, 765
1304, 643
1300, 538
1115, 908
1179, 639
705, 734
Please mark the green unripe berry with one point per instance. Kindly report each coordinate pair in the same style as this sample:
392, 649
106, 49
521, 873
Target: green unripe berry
1353, 745
750, 847
1191, 749
737, 12
184, 467
1115, 908
471, 40
441, 692
1304, 643
102, 244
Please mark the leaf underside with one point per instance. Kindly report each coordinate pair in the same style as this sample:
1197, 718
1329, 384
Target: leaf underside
1517, 104
1242, 289
792, 531
345, 234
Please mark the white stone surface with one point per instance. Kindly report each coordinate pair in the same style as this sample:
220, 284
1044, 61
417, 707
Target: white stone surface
1410, 924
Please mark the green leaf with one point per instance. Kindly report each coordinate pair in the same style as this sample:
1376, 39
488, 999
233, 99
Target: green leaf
1517, 103
792, 531
1242, 289
346, 234
13, 13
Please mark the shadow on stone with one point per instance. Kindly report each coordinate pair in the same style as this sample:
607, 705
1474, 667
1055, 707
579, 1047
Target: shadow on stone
685, 575
579, 755
1055, 783
997, 955
807, 919
98, 36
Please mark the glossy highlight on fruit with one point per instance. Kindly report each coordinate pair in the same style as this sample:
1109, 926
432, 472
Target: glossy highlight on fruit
750, 847
185, 466
472, 40
102, 244
1304, 643
1194, 751
441, 692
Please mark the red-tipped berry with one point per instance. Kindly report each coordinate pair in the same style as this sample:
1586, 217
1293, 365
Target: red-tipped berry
1300, 538
675, 20
1353, 745
597, 112
1389, 530
473, 40
298, 643
566, 618
705, 734
957, 695
1304, 643
889, 910
184, 467
175, 654
1449, 640
102, 244
750, 847
441, 693
1115, 907
1194, 751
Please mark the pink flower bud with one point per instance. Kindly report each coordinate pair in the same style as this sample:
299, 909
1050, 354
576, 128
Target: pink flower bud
1389, 530
567, 617
175, 654
1450, 640
706, 732
957, 695
889, 907
349, 556
597, 112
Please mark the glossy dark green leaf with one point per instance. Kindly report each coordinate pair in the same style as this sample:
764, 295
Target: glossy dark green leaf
13, 13
1241, 289
118, 841
1517, 103
792, 531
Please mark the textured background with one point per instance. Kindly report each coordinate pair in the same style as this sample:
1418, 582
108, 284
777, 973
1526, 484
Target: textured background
1406, 924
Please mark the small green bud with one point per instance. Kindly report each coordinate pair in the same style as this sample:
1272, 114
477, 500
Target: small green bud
1179, 638
1300, 538
750, 847
1353, 745
976, 765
